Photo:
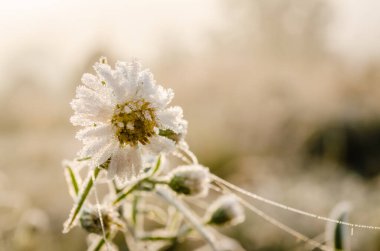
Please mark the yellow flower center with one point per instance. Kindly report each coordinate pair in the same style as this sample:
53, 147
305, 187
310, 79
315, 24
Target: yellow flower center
134, 122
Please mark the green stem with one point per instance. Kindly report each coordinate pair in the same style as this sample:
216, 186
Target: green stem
73, 180
188, 215
82, 198
157, 166
101, 243
126, 193
135, 209
158, 238
117, 190
137, 185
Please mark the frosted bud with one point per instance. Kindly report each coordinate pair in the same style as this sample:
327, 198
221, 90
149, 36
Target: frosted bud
226, 211
90, 220
191, 180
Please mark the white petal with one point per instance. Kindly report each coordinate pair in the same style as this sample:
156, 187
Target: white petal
91, 81
95, 132
79, 120
90, 148
117, 164
122, 68
133, 71
85, 93
147, 84
89, 119
130, 74
103, 154
125, 164
158, 144
90, 107
95, 84
172, 118
105, 73
134, 157
161, 97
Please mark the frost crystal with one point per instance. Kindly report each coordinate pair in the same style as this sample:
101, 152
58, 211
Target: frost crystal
125, 116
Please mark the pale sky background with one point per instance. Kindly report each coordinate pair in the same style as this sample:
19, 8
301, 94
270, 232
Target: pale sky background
62, 30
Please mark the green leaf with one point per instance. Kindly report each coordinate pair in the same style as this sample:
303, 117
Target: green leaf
86, 188
73, 181
157, 166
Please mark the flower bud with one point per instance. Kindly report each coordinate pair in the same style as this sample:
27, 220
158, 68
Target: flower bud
90, 220
191, 180
226, 211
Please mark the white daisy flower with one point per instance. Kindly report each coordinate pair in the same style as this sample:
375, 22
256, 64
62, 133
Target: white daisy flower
125, 115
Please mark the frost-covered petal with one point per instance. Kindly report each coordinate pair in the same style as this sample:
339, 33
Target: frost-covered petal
134, 161
98, 111
147, 83
129, 85
99, 131
87, 119
90, 102
161, 97
79, 120
122, 69
91, 81
103, 154
106, 74
125, 164
160, 144
133, 71
92, 147
172, 118
88, 96
118, 164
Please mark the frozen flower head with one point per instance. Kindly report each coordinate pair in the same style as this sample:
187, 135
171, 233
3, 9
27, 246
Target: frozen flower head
226, 211
191, 180
90, 220
125, 114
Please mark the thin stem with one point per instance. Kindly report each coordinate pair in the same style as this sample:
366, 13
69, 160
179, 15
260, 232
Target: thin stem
284, 227
189, 154
275, 222
101, 242
285, 207
136, 185
158, 165
158, 238
188, 215
73, 180
126, 193
99, 212
117, 190
181, 157
86, 188
135, 209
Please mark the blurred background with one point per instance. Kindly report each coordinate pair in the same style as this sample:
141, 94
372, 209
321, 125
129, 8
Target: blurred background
282, 98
